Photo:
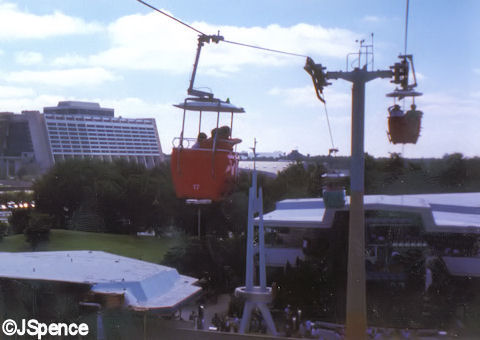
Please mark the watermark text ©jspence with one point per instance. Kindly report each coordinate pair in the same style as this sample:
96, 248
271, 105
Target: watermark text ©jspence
38, 329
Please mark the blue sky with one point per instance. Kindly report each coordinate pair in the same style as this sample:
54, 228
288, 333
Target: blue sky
123, 55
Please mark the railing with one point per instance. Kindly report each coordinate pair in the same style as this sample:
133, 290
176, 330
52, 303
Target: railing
188, 143
178, 142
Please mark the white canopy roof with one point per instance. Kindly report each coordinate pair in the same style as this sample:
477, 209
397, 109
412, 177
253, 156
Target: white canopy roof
453, 213
145, 285
462, 266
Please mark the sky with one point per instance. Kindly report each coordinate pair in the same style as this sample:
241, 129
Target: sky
125, 56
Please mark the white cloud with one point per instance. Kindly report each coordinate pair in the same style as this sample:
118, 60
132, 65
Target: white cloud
447, 124
18, 24
136, 107
448, 104
372, 18
306, 96
15, 92
296, 96
28, 58
153, 42
420, 76
20, 103
70, 60
166, 116
64, 78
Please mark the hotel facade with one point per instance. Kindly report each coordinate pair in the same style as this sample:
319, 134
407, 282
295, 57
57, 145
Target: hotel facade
31, 142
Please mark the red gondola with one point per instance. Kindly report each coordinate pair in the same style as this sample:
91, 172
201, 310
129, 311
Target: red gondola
404, 127
205, 169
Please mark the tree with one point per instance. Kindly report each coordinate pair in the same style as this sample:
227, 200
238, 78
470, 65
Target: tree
291, 182
19, 220
65, 187
38, 229
371, 174
394, 167
219, 262
314, 182
3, 229
454, 173
127, 197
308, 287
296, 156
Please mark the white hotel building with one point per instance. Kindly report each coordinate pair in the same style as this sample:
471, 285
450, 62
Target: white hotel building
77, 135
75, 129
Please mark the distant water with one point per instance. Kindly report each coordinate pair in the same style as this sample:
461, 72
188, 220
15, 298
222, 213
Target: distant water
267, 166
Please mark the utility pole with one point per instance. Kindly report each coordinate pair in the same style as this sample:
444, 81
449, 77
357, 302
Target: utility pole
356, 323
402, 129
356, 310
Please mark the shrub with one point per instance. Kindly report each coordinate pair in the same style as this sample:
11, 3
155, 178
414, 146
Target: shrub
38, 229
3, 229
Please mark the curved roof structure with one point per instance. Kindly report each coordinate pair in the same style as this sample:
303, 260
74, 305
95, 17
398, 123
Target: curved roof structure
450, 213
144, 285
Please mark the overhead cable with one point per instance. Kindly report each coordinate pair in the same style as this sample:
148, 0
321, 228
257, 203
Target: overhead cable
406, 28
171, 17
266, 49
226, 41
329, 128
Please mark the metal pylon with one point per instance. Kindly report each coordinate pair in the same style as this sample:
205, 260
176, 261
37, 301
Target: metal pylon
255, 296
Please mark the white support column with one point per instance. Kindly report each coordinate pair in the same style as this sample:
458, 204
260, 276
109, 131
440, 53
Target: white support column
255, 296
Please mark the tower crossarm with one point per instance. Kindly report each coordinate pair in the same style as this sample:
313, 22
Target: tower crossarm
356, 73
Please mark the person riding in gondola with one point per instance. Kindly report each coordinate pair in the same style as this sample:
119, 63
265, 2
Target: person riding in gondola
201, 138
221, 138
413, 112
395, 111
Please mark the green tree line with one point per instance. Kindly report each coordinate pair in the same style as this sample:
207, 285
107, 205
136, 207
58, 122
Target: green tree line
127, 197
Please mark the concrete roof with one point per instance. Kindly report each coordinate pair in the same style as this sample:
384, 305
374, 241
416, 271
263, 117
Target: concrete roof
451, 213
145, 285
462, 266
304, 218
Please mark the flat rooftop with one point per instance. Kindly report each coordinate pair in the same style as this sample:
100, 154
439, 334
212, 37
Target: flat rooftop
79, 107
144, 285
450, 213
463, 266
74, 103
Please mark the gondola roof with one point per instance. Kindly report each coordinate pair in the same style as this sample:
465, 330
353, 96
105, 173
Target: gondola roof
213, 105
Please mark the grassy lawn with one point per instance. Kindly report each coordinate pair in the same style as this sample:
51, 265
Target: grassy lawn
145, 248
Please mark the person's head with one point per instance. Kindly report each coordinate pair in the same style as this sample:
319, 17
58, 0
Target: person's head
214, 132
201, 136
224, 132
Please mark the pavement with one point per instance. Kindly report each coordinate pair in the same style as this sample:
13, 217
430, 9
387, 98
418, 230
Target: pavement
219, 306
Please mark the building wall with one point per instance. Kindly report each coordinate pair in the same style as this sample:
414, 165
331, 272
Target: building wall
35, 141
105, 138
41, 146
16, 144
